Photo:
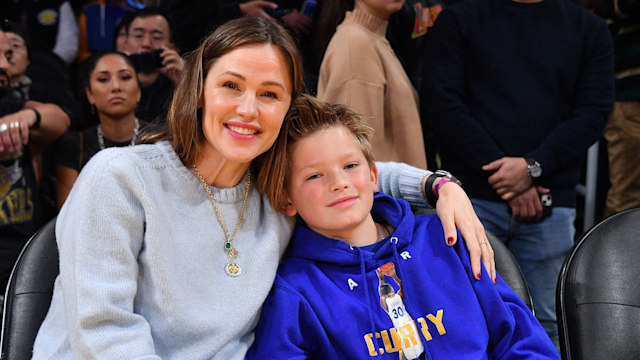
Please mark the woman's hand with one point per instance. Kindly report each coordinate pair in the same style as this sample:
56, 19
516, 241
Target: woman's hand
455, 210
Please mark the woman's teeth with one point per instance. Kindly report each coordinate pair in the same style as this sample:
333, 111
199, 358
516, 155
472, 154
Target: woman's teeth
243, 131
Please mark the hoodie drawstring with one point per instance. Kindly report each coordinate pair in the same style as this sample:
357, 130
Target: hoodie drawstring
363, 272
396, 258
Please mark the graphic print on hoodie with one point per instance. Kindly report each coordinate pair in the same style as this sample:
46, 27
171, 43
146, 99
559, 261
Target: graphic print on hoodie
392, 302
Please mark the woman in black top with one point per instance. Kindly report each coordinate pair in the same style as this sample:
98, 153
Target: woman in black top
112, 91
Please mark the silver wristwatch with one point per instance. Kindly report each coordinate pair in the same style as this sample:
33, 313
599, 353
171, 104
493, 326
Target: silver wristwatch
533, 168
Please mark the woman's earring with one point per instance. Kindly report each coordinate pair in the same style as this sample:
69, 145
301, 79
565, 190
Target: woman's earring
92, 108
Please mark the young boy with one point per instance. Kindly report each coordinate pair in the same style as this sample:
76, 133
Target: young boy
365, 278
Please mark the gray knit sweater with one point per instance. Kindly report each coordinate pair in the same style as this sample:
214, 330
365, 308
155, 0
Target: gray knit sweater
142, 260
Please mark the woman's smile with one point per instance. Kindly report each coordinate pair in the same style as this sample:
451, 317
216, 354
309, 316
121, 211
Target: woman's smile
242, 130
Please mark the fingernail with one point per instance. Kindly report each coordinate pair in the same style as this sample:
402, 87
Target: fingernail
495, 281
478, 276
450, 240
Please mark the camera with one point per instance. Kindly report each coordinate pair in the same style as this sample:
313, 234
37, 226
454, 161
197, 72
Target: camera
147, 61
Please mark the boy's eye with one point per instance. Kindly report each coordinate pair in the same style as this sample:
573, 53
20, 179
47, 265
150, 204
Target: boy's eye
351, 166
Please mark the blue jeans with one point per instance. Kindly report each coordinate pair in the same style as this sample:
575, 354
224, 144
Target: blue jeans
540, 249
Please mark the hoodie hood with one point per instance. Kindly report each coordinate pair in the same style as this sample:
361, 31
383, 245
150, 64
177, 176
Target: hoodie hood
309, 245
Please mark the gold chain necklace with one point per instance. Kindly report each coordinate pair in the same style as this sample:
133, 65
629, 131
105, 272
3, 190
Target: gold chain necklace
232, 268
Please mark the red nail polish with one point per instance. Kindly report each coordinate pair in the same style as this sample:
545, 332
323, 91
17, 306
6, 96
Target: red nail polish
450, 240
478, 276
495, 281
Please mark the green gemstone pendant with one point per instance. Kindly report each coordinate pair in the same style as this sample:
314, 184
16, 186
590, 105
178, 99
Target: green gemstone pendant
227, 245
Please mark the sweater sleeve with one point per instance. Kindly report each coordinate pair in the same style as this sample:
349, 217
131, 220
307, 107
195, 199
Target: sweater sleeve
514, 332
594, 96
98, 262
402, 181
283, 332
444, 95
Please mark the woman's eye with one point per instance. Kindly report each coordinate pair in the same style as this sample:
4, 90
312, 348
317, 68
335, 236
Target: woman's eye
230, 85
270, 94
126, 77
314, 176
103, 80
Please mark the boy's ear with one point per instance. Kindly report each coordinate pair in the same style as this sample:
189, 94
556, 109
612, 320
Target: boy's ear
374, 177
289, 209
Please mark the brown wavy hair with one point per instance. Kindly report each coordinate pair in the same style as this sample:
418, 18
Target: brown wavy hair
184, 119
306, 117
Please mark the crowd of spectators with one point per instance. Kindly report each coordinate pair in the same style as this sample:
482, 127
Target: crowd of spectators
509, 106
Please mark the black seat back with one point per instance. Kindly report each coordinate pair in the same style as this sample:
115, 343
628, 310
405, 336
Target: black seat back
509, 270
598, 294
29, 293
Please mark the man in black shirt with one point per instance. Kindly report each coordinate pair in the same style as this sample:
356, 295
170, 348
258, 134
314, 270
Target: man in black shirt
516, 91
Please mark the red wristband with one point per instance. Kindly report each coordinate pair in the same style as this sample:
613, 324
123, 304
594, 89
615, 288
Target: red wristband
442, 181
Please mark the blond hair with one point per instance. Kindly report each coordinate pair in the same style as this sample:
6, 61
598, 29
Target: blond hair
306, 117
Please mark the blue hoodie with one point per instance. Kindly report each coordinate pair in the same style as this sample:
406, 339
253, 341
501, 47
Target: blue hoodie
326, 301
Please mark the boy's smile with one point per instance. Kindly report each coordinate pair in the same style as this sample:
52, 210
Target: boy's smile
331, 185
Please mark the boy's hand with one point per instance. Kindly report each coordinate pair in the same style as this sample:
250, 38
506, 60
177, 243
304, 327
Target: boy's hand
455, 210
